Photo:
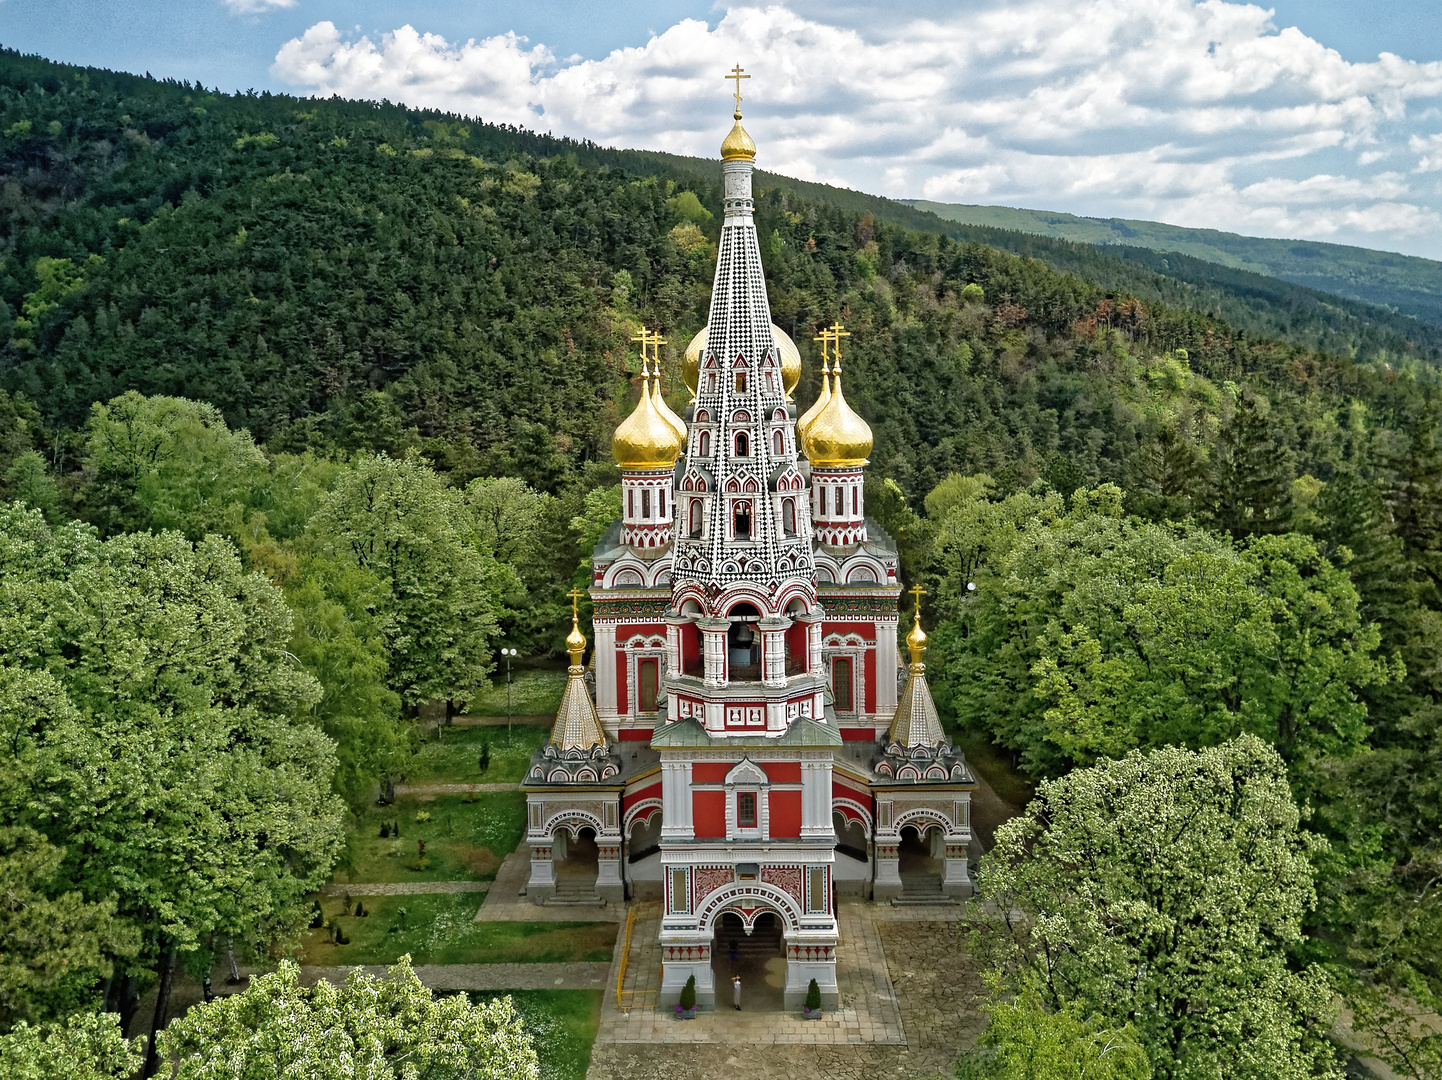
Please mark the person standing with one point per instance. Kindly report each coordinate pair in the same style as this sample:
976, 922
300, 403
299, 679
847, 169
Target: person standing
736, 992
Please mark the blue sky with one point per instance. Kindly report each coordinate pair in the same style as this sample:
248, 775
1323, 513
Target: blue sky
1279, 120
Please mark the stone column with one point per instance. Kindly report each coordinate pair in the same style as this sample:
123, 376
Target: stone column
773, 650
955, 880
606, 675
542, 884
816, 799
888, 869
609, 886
713, 649
676, 821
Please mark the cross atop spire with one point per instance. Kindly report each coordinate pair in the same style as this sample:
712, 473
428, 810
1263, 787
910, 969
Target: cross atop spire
736, 74
575, 595
917, 592
837, 332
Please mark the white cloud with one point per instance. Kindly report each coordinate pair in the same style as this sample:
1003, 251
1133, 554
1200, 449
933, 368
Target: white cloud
1198, 113
253, 7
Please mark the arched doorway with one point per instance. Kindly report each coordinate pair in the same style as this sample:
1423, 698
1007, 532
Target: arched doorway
576, 865
758, 958
922, 863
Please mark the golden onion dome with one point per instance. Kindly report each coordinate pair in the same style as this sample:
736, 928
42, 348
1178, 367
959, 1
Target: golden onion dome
820, 403
667, 413
738, 144
645, 440
576, 642
836, 438
790, 359
916, 640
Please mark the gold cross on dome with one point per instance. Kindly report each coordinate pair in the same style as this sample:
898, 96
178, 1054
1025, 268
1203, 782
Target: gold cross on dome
656, 342
737, 76
644, 337
917, 592
575, 595
826, 337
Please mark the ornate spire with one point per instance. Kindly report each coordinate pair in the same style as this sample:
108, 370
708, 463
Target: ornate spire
790, 360
738, 144
577, 726
916, 722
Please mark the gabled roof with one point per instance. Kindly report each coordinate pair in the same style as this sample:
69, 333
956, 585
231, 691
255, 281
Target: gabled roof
803, 732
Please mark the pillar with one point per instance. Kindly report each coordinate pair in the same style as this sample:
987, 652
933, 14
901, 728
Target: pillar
542, 884
888, 870
955, 880
609, 886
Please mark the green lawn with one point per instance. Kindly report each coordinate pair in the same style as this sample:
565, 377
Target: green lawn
466, 838
454, 758
441, 929
533, 693
563, 1024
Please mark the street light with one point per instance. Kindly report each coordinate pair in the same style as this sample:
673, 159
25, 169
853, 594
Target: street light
508, 653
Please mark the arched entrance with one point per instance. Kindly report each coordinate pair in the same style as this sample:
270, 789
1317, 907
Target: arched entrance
757, 958
922, 859
577, 864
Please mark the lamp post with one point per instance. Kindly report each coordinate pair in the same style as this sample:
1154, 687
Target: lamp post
508, 653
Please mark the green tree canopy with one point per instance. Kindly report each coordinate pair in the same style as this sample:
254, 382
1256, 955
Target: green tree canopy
1024, 1040
86, 1046
1165, 890
376, 1028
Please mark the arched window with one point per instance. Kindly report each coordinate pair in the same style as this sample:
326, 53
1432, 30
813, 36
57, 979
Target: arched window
705, 444
661, 495
743, 445
821, 500
778, 444
695, 517
788, 516
703, 417
645, 502
630, 504
855, 501
743, 521
740, 383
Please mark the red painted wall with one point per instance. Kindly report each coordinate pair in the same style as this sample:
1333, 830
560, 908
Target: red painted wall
865, 630
868, 678
847, 791
796, 642
857, 734
631, 798
690, 645
708, 813
622, 705
783, 772
637, 734
709, 772
785, 813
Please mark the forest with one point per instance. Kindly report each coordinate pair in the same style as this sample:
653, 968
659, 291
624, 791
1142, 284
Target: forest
305, 410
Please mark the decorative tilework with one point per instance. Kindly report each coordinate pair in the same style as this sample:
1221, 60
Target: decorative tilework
785, 878
710, 878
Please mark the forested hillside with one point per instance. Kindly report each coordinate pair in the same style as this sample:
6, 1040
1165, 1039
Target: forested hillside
347, 374
1411, 285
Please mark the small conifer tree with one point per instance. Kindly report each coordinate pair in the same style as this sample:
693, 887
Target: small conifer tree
688, 993
813, 996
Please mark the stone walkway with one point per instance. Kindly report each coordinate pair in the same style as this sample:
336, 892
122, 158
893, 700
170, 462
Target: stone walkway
587, 976
937, 993
450, 789
868, 1012
501, 721
404, 888
505, 901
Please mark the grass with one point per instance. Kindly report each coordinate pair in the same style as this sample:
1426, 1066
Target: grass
466, 838
440, 928
533, 693
995, 767
454, 758
562, 1024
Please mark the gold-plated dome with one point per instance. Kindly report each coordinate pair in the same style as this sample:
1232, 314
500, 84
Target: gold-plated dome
836, 438
916, 640
790, 359
738, 144
820, 403
667, 413
645, 440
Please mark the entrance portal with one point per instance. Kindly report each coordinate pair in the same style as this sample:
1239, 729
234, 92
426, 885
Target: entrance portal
759, 958
576, 872
922, 863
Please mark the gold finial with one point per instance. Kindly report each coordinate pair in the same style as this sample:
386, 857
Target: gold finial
832, 435
736, 75
575, 640
658, 402
822, 398
837, 332
916, 640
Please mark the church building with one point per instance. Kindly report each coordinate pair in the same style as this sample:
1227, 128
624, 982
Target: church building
746, 745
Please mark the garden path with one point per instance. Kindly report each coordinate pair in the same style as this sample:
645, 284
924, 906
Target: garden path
450, 789
403, 888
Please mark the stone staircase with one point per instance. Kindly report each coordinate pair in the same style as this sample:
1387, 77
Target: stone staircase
922, 889
575, 893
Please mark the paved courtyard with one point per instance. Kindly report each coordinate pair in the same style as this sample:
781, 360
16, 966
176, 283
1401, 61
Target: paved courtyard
909, 998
